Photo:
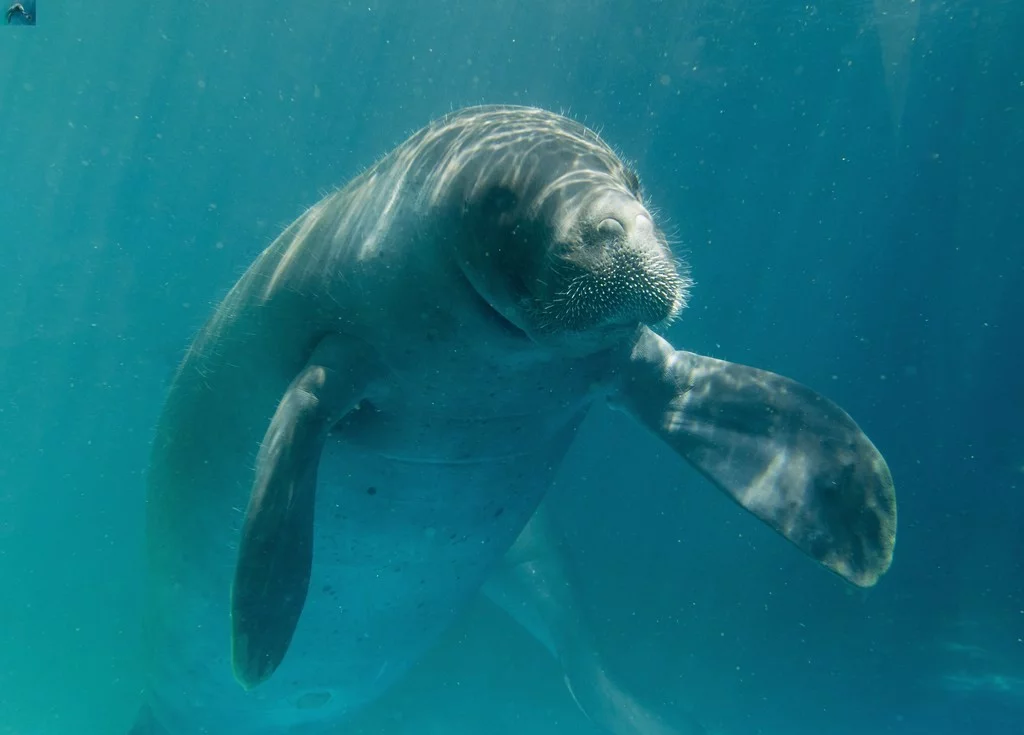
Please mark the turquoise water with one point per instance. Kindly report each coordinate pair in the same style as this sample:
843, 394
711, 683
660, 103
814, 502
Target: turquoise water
845, 180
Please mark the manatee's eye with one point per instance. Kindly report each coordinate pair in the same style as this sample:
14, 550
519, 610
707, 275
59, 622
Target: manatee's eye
610, 228
497, 201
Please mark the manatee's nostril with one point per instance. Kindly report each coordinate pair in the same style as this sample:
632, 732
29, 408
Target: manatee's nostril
611, 227
643, 222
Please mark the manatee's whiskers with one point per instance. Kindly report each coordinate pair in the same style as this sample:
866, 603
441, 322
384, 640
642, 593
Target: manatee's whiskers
629, 286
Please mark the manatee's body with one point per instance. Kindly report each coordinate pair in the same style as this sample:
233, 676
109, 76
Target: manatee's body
373, 413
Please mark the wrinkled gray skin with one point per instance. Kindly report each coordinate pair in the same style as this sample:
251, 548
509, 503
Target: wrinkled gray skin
372, 415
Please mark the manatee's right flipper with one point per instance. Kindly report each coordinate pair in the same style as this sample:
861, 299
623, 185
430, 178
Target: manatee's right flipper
785, 453
275, 554
534, 586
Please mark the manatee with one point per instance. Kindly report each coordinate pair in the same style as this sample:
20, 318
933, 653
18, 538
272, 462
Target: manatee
367, 422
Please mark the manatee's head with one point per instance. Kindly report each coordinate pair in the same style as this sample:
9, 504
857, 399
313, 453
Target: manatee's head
577, 261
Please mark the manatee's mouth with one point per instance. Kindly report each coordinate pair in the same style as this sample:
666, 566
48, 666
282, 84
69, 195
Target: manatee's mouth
626, 288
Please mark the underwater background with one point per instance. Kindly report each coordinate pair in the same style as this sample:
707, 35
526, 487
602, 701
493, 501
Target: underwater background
846, 180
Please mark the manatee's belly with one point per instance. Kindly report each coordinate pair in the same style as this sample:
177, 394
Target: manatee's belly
403, 541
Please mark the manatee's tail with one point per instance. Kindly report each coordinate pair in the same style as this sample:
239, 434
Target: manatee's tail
614, 709
146, 724
534, 586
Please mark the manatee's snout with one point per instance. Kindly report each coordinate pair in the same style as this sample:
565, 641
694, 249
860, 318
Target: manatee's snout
635, 233
624, 271
605, 269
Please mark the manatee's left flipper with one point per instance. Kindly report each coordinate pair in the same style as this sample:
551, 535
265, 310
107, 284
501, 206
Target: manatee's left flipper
534, 585
275, 554
788, 455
